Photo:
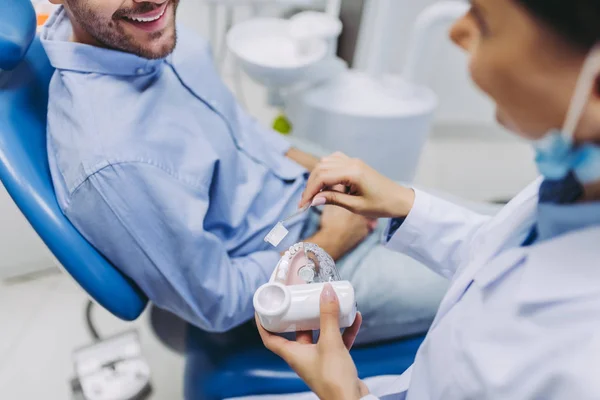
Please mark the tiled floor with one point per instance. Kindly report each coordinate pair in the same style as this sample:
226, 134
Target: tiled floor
42, 322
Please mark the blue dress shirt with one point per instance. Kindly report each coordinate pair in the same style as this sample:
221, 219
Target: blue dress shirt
160, 169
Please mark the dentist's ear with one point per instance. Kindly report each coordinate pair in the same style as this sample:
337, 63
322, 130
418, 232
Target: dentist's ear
593, 131
57, 2
595, 95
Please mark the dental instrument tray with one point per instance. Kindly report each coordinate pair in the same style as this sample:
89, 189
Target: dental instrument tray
290, 301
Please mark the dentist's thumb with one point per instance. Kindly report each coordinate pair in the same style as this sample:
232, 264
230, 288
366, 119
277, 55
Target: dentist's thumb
347, 201
330, 317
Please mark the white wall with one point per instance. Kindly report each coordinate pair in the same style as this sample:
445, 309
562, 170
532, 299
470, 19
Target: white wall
193, 14
447, 72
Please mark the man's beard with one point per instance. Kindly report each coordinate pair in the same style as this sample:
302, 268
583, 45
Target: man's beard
110, 34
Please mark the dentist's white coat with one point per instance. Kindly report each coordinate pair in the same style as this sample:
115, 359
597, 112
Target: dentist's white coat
518, 323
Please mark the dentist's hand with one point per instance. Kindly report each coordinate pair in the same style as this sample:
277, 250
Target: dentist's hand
326, 366
368, 192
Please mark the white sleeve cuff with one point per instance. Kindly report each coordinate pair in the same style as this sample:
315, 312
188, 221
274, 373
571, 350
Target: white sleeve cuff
412, 227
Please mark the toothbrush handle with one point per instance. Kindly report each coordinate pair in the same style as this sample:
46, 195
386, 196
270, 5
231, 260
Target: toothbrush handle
297, 213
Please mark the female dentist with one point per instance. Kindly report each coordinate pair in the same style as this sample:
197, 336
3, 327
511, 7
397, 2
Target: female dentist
521, 319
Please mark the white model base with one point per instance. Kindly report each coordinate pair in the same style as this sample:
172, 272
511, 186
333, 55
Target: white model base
294, 308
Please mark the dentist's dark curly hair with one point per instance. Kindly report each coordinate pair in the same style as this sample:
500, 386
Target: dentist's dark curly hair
578, 21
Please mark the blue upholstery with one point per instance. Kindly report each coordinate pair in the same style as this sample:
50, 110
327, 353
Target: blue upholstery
214, 370
260, 371
17, 30
237, 364
25, 174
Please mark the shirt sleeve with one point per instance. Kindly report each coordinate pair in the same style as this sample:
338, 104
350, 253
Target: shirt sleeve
151, 226
393, 226
438, 233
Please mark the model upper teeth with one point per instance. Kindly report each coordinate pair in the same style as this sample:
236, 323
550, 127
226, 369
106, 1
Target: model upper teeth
150, 19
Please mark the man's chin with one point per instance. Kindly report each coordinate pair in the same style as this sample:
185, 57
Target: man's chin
159, 47
161, 52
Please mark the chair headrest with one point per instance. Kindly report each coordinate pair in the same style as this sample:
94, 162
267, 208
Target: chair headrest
17, 29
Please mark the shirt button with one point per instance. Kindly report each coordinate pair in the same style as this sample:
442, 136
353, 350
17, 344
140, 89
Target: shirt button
140, 71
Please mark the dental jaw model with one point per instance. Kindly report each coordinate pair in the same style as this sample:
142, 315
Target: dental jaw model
290, 301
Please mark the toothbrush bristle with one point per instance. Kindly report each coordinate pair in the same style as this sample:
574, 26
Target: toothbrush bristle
277, 234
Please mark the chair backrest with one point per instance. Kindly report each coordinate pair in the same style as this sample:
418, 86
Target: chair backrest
17, 29
24, 167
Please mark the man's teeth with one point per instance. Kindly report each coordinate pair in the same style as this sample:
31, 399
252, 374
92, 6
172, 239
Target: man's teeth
151, 19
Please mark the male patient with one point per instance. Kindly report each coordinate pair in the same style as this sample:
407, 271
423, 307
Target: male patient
161, 170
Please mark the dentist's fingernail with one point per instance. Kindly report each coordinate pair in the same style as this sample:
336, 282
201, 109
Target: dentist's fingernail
319, 201
328, 294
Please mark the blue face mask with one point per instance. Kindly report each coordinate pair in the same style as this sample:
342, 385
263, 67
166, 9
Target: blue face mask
556, 154
556, 157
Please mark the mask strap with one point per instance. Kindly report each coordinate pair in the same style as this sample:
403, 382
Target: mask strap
583, 89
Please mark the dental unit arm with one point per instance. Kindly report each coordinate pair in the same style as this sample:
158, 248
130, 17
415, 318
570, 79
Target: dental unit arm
290, 301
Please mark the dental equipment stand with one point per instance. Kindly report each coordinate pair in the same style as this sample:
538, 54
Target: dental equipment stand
112, 368
332, 7
218, 45
382, 119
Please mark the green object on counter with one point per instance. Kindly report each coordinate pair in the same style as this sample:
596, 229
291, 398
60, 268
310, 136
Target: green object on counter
282, 125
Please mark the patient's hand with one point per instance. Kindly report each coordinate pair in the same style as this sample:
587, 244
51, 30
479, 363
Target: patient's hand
341, 231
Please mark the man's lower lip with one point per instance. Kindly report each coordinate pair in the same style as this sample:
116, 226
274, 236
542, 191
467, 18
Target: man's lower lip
151, 26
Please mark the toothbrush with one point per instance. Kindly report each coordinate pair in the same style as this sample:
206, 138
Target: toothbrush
279, 231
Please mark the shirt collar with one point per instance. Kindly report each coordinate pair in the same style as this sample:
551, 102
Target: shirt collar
556, 270
67, 55
555, 220
562, 269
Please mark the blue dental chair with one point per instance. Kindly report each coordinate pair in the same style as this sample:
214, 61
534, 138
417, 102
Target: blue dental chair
216, 369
